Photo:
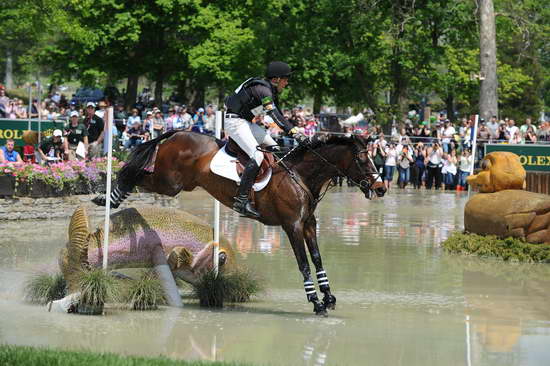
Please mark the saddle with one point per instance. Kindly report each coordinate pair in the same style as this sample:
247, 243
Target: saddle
234, 150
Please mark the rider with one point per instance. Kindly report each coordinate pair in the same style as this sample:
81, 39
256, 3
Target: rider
255, 97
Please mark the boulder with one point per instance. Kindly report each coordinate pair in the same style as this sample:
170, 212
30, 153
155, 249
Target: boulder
516, 213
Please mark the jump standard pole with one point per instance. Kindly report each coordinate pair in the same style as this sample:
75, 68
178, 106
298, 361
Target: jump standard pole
216, 244
109, 141
474, 145
30, 107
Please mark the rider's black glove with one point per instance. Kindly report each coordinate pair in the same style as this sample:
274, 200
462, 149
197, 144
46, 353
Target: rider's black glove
298, 136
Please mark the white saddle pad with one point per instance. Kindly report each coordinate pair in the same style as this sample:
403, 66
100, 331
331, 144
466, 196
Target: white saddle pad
225, 165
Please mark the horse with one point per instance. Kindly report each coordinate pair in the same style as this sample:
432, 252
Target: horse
298, 182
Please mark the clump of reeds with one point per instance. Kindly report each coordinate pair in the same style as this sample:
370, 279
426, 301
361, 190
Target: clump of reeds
45, 287
235, 285
96, 288
145, 293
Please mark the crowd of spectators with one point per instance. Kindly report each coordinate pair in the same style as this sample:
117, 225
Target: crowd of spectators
431, 154
438, 154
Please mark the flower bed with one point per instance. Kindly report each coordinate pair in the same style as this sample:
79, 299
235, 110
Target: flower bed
58, 179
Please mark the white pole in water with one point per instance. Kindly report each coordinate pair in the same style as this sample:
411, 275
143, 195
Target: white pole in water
468, 344
109, 141
216, 248
474, 145
39, 107
29, 127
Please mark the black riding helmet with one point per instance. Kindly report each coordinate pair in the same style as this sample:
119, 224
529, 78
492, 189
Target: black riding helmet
278, 69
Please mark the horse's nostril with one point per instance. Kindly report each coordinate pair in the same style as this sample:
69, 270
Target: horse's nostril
222, 258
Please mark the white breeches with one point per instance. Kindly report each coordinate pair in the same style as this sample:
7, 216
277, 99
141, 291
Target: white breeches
248, 136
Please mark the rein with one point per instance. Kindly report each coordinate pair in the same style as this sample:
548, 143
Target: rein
364, 183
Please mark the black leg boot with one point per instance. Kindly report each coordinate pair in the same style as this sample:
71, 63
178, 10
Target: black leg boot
242, 202
118, 195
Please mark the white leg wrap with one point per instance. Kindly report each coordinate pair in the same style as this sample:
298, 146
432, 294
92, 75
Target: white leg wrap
64, 305
169, 285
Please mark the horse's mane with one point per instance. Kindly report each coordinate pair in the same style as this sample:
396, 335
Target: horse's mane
318, 141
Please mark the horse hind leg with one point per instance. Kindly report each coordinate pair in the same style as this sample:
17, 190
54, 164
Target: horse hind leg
310, 236
297, 241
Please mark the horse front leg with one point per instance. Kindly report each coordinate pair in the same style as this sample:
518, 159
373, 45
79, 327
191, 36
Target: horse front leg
310, 235
296, 238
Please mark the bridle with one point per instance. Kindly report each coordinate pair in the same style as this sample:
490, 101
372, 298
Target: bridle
364, 184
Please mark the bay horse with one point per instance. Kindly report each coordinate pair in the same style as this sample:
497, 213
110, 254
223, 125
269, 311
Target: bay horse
182, 162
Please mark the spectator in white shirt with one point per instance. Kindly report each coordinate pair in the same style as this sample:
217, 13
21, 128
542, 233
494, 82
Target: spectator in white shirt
464, 166
391, 162
512, 131
435, 163
447, 135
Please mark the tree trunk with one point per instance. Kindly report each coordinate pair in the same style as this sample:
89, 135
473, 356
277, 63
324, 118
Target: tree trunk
488, 98
450, 104
317, 102
198, 95
221, 98
9, 69
131, 90
159, 85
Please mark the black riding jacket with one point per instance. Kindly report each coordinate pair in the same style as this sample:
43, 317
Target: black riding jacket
257, 96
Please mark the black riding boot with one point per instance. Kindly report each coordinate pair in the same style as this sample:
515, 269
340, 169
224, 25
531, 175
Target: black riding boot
242, 202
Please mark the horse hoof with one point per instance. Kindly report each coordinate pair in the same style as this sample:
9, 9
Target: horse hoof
329, 302
99, 200
320, 309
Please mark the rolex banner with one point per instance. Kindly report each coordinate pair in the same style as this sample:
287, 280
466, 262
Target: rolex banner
14, 128
535, 158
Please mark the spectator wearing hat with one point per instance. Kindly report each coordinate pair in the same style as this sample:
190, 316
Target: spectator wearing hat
185, 120
209, 119
8, 154
171, 119
158, 124
95, 126
133, 118
148, 122
76, 133
198, 121
50, 148
136, 135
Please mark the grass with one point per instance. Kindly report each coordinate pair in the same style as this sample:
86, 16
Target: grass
145, 293
20, 355
45, 287
237, 285
96, 288
509, 249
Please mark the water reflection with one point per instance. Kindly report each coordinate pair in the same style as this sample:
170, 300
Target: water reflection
507, 307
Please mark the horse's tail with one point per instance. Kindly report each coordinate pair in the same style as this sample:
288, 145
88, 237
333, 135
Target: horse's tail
134, 170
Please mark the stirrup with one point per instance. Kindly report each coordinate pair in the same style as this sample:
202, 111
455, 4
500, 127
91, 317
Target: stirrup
243, 206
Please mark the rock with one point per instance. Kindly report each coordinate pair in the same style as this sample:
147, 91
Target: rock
501, 170
506, 213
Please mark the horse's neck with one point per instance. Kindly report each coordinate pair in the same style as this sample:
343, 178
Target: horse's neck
316, 172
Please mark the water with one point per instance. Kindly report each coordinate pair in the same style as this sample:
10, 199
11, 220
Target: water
401, 299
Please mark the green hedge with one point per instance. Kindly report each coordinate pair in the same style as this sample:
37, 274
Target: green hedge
30, 356
509, 249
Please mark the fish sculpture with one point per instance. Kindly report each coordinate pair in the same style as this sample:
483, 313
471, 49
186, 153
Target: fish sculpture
173, 242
